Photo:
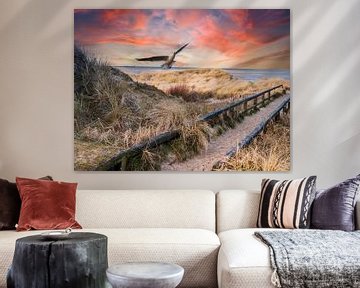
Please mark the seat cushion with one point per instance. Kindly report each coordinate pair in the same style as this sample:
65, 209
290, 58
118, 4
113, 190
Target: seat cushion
196, 250
244, 261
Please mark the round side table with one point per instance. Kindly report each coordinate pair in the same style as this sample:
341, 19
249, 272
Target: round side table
145, 275
78, 261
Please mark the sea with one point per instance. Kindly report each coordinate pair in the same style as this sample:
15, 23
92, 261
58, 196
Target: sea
244, 74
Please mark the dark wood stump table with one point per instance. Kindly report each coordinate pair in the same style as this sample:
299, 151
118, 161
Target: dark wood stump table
78, 261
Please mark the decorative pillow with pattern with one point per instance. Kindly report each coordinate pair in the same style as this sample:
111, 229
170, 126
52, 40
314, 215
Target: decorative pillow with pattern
286, 204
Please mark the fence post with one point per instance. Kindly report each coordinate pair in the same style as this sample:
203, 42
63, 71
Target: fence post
123, 163
277, 117
287, 107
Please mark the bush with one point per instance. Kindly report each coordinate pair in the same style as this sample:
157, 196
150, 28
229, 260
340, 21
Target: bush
184, 92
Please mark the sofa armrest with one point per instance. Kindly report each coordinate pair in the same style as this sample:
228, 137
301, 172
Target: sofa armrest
357, 215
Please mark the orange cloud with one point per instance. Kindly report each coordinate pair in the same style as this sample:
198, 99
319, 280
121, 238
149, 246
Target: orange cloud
141, 21
111, 15
112, 25
239, 17
230, 35
210, 34
184, 18
125, 18
133, 40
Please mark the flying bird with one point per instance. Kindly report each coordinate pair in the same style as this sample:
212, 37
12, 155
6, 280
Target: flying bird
169, 60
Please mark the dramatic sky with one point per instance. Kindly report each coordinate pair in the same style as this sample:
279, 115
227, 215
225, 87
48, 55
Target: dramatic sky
255, 38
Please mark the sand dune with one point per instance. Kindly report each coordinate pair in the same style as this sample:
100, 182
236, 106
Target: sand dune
217, 81
114, 111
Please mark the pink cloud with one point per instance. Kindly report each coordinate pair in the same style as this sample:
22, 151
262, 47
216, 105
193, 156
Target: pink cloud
233, 34
184, 18
125, 18
239, 18
211, 35
128, 39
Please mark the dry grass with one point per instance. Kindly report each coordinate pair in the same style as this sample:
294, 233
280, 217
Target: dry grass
88, 154
189, 94
112, 113
219, 83
193, 139
196, 136
268, 152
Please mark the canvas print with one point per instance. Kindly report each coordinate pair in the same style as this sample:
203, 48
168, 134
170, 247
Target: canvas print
182, 90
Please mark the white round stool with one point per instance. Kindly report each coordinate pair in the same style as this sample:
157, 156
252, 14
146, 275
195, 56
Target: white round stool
145, 275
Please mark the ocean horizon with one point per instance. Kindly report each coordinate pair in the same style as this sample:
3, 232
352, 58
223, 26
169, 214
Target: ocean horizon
244, 74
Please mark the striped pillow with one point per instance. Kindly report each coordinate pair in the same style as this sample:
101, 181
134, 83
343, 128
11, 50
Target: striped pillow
286, 204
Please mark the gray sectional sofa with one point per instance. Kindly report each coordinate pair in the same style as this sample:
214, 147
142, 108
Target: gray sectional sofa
209, 234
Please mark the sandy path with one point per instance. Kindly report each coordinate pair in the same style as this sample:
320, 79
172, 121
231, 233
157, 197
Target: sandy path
219, 146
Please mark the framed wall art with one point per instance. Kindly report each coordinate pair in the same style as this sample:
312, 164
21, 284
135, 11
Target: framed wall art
182, 90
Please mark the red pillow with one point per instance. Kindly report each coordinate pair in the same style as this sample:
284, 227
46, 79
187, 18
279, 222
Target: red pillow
10, 204
46, 204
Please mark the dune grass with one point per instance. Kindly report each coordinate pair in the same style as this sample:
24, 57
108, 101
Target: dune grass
208, 83
112, 113
189, 94
269, 151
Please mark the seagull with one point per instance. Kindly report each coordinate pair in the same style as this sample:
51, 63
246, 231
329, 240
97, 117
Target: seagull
169, 60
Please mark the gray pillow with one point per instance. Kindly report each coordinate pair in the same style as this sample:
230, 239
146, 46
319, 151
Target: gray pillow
334, 208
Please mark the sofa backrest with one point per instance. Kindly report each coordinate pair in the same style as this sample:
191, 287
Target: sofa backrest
236, 209
239, 209
146, 209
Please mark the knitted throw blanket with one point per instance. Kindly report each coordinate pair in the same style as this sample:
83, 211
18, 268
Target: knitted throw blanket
313, 258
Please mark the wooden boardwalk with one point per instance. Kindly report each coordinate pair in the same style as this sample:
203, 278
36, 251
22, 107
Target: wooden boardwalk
220, 146
242, 106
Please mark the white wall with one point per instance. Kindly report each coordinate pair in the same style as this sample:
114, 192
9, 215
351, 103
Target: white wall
36, 93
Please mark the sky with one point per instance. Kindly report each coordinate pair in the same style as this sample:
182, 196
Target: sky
238, 38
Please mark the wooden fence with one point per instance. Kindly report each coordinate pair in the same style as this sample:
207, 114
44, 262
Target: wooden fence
245, 103
283, 106
120, 161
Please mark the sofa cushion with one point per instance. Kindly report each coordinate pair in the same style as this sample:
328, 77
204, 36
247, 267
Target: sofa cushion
236, 209
244, 260
194, 249
286, 204
146, 209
